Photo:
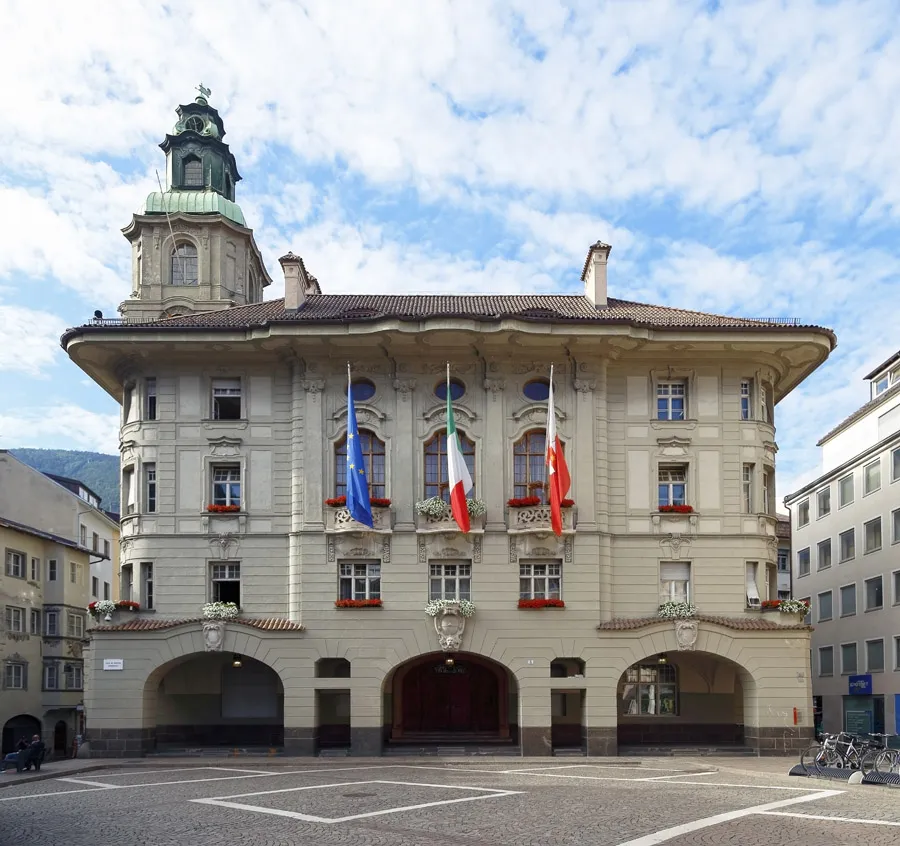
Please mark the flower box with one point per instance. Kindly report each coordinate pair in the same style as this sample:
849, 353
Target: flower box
676, 611
530, 501
220, 610
541, 603
341, 502
357, 603
465, 607
223, 509
128, 605
676, 509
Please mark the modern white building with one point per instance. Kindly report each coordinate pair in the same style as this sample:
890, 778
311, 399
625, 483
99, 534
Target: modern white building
234, 459
846, 542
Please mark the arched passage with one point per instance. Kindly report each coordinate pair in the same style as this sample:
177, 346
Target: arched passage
436, 698
214, 699
689, 698
22, 726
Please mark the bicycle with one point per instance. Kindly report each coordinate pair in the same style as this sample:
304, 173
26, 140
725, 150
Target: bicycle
879, 757
836, 751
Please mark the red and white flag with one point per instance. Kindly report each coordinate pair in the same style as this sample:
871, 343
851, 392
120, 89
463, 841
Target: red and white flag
457, 472
558, 479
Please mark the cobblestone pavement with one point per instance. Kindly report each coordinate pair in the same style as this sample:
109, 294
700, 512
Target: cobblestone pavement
481, 804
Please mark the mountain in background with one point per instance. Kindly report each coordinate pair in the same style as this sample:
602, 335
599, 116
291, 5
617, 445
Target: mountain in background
98, 471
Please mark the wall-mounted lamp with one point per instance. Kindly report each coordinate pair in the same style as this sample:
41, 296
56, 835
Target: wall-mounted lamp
449, 662
662, 660
236, 661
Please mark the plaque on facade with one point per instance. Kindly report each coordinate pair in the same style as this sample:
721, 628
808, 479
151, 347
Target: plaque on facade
686, 632
213, 635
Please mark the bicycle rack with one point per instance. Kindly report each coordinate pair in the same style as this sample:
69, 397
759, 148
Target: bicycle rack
889, 779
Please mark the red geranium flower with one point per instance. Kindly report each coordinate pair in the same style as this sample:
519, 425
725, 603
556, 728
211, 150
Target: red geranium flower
222, 509
523, 501
676, 509
541, 603
358, 603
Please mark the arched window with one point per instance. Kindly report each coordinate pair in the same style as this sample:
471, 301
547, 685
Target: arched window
193, 172
436, 481
649, 690
373, 455
530, 465
184, 265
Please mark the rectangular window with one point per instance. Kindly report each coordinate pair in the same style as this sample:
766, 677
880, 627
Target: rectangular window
95, 542
129, 406
808, 618
803, 513
14, 676
540, 580
51, 676
895, 577
670, 400
826, 660
35, 622
106, 549
150, 488
746, 398
825, 604
84, 535
126, 582
226, 582
147, 585
874, 593
106, 590
848, 659
747, 488
823, 502
872, 535
15, 619
129, 492
845, 490
15, 564
74, 625
875, 656
895, 465
784, 560
753, 600
74, 677
895, 526
226, 399
848, 545
675, 581
672, 486
150, 399
768, 492
803, 562
73, 572
897, 653
649, 690
764, 413
52, 570
51, 622
872, 477
450, 581
35, 569
848, 600
823, 554
360, 580
226, 485
95, 586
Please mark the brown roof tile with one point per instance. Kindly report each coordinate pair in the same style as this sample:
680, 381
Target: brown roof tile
271, 624
759, 624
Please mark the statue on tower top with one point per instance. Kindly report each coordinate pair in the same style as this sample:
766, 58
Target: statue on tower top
203, 99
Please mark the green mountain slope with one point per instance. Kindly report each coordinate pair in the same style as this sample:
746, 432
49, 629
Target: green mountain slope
98, 471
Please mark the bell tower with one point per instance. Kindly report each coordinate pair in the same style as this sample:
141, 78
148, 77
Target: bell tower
191, 247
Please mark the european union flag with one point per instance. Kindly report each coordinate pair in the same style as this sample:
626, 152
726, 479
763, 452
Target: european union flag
358, 503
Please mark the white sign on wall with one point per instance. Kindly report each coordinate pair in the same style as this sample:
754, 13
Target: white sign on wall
113, 663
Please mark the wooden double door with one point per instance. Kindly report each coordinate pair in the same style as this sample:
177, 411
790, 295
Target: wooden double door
468, 698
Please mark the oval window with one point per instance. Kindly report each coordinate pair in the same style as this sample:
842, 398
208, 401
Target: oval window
362, 389
537, 389
457, 389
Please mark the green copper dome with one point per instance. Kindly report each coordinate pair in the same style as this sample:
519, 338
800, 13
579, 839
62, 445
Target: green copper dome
192, 202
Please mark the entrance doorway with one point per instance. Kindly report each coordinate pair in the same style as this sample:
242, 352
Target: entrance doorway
60, 738
16, 728
456, 699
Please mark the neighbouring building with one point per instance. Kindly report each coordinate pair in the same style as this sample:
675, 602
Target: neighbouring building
846, 540
58, 550
783, 576
234, 458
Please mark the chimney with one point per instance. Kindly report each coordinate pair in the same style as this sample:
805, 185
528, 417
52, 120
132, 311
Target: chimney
594, 273
295, 281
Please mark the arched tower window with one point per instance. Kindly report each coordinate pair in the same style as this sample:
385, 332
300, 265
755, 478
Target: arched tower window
530, 466
436, 481
193, 172
373, 455
184, 265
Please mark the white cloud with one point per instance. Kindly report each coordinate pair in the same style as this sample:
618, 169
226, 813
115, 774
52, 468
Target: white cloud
30, 340
63, 426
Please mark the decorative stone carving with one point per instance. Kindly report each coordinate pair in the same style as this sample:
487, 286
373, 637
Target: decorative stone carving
536, 518
329, 548
314, 388
429, 523
513, 553
422, 550
568, 549
686, 632
529, 367
476, 550
463, 414
585, 387
213, 635
404, 387
220, 545
495, 386
674, 544
668, 521
447, 552
386, 550
673, 446
339, 520
542, 551
450, 626
224, 447
365, 413
455, 367
535, 412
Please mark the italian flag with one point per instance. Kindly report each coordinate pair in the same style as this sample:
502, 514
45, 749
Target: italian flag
457, 472
558, 479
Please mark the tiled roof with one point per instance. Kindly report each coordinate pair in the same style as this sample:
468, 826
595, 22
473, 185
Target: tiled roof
271, 624
860, 412
345, 308
759, 624
37, 533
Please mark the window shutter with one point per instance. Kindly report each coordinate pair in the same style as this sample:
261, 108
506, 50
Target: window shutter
675, 571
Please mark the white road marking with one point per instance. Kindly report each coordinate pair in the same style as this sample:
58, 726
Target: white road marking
829, 819
91, 783
57, 793
728, 816
144, 770
597, 767
489, 793
648, 780
682, 775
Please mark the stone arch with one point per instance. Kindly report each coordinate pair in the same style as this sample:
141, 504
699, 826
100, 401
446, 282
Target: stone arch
18, 727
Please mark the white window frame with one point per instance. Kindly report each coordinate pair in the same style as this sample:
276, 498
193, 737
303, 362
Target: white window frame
224, 571
359, 579
151, 489
147, 597
823, 494
450, 580
879, 578
51, 676
845, 502
540, 580
895, 465
129, 490
35, 622
830, 595
847, 533
855, 670
668, 393
764, 412
895, 584
842, 610
95, 586
897, 652
895, 526
151, 400
752, 592
15, 619
74, 625
830, 650
16, 564
228, 475
875, 523
15, 675
227, 388
800, 570
668, 477
746, 399
869, 642
52, 570
74, 677
877, 482
824, 544
51, 623
675, 581
803, 519
768, 490
126, 581
35, 569
747, 487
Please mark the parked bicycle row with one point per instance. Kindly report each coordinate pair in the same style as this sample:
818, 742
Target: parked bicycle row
848, 751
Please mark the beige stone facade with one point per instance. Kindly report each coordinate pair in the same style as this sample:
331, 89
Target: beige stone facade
256, 398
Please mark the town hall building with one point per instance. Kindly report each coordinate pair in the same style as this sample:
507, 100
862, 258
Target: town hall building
233, 445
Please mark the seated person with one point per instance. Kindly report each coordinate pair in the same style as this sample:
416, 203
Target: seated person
34, 754
16, 758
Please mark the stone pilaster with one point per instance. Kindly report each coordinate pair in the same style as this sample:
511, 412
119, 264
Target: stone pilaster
403, 458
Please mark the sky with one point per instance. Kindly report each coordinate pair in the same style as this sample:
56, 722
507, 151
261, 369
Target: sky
741, 158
